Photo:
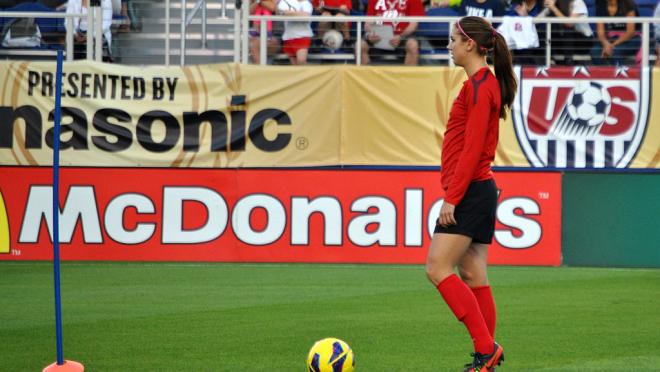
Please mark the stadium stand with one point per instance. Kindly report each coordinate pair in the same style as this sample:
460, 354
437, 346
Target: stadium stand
139, 37
47, 36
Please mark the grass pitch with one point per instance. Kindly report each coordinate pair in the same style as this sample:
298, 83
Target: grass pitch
263, 317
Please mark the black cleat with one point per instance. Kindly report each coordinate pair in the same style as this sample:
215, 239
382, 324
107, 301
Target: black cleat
486, 363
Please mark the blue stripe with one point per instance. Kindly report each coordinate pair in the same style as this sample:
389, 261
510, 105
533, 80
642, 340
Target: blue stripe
609, 153
589, 154
551, 153
570, 154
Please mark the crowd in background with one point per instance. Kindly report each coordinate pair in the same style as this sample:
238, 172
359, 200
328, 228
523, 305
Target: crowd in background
601, 43
49, 32
610, 43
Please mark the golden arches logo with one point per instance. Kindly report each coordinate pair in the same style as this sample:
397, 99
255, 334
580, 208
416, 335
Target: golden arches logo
4, 227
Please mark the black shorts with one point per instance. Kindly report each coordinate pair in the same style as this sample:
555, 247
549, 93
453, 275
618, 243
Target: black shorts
475, 214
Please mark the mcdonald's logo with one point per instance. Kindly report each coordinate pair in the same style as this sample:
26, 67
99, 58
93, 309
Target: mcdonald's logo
4, 227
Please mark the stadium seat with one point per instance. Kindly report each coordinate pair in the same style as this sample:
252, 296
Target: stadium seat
436, 30
46, 25
436, 35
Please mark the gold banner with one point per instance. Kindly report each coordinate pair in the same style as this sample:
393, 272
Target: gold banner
232, 115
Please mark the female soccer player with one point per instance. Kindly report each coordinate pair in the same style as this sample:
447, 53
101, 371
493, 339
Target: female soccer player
467, 218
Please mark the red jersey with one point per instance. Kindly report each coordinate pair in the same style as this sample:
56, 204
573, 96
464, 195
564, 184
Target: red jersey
470, 140
394, 9
332, 3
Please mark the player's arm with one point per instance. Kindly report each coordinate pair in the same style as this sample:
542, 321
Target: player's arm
476, 131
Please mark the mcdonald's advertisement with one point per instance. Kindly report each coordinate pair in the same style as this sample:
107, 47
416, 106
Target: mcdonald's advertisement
238, 116
228, 215
239, 163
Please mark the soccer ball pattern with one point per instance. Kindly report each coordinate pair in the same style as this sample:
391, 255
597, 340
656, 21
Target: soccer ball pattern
330, 355
332, 39
589, 104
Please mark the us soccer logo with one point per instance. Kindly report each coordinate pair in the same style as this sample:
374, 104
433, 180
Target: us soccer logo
579, 117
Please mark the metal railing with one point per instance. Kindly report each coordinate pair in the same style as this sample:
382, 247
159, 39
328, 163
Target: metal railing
94, 30
241, 25
186, 20
243, 42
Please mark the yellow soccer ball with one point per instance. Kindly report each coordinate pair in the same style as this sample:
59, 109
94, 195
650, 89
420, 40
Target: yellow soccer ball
330, 355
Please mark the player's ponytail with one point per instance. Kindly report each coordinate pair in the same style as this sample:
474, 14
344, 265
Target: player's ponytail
490, 41
504, 73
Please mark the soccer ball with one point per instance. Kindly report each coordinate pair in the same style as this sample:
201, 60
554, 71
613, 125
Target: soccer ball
330, 355
332, 39
589, 104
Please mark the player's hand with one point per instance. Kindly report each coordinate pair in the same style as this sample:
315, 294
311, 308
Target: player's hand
447, 214
608, 50
395, 40
373, 38
550, 4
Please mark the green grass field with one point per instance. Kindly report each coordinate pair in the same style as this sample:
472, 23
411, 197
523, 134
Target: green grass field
263, 317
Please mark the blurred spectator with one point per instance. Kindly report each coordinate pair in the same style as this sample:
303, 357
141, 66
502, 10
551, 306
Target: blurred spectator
567, 38
333, 8
126, 25
49, 3
617, 41
482, 8
656, 14
264, 8
9, 3
55, 4
80, 27
392, 37
297, 35
529, 8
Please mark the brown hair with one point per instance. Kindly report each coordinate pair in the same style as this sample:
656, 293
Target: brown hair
490, 41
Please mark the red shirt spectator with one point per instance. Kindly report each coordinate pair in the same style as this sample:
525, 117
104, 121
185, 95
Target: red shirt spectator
332, 4
394, 9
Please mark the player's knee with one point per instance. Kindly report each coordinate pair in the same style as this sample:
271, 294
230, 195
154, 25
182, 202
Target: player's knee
466, 274
436, 271
473, 275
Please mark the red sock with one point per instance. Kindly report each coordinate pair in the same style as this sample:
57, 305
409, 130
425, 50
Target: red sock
486, 302
462, 303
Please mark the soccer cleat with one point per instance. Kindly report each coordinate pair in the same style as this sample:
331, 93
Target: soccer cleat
486, 363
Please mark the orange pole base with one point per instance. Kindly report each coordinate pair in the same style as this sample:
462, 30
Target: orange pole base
68, 366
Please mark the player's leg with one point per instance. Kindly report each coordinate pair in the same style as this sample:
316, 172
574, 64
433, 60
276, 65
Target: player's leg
473, 271
445, 253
